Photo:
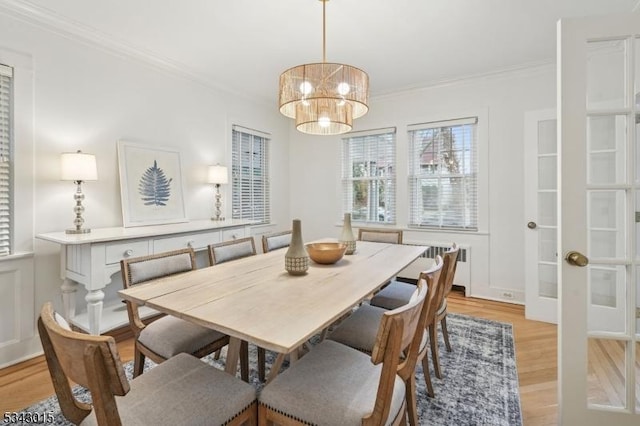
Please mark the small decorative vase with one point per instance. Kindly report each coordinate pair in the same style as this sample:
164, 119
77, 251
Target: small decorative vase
347, 236
296, 260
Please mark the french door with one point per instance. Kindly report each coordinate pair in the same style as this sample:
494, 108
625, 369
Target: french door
541, 207
599, 212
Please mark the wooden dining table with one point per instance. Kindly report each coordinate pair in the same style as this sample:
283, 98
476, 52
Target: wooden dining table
254, 299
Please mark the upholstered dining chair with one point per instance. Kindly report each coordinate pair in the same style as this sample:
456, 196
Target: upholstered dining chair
359, 330
225, 252
380, 235
338, 385
231, 250
168, 335
181, 391
276, 241
398, 293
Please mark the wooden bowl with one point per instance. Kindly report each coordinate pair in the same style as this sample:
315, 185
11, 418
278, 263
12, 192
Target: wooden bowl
326, 253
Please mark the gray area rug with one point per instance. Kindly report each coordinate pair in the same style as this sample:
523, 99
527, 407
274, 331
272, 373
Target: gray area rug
479, 385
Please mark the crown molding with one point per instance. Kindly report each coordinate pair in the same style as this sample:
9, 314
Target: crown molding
512, 71
49, 20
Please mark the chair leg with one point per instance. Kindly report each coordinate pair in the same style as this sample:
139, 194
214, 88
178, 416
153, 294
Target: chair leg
410, 397
433, 337
445, 332
217, 354
262, 360
427, 376
244, 361
138, 363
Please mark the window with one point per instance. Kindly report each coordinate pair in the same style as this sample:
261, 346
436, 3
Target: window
6, 159
369, 175
250, 175
443, 174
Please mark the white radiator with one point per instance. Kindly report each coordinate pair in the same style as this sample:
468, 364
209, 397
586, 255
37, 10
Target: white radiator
463, 271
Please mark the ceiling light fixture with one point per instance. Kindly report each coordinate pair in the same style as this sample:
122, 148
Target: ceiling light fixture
325, 97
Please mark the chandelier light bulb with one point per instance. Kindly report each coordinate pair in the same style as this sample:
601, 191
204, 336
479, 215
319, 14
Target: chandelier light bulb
343, 88
306, 88
324, 121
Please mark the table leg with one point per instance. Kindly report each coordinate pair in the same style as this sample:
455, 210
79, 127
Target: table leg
94, 309
69, 288
233, 355
275, 368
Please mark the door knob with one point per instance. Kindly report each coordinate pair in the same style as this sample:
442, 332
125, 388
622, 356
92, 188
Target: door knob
576, 258
532, 225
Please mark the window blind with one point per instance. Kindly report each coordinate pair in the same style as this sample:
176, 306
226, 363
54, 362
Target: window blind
6, 159
369, 175
250, 175
443, 168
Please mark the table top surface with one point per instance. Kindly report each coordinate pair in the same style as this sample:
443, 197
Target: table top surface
256, 300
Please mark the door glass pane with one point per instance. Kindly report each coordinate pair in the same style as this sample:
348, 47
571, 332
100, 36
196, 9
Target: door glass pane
606, 374
548, 280
547, 244
606, 74
547, 136
547, 172
606, 140
606, 212
607, 292
547, 208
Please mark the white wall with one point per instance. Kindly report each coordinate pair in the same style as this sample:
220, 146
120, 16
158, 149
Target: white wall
85, 97
497, 249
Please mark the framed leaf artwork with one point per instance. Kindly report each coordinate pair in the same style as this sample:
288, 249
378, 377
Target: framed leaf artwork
150, 185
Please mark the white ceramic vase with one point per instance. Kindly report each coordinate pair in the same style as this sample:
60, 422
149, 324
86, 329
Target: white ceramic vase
296, 260
347, 236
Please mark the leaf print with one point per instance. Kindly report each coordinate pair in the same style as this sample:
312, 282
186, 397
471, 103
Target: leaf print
154, 187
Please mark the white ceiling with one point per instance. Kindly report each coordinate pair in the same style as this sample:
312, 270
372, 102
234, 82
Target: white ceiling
244, 45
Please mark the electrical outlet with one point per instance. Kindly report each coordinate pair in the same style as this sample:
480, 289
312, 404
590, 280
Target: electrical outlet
507, 294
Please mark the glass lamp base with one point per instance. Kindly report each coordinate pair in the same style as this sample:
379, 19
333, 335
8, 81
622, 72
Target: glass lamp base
78, 231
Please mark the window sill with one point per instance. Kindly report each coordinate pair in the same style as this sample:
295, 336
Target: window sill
16, 256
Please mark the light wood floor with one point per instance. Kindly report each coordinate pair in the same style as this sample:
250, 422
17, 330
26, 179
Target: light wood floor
29, 382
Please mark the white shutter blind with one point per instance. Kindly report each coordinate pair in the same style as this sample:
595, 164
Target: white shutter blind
250, 175
443, 172
6, 159
369, 175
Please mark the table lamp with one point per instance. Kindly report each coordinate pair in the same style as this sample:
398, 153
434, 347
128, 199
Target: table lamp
218, 175
78, 167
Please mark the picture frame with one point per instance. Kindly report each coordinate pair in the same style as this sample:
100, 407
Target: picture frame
151, 187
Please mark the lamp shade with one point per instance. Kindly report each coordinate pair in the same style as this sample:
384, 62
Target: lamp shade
218, 174
78, 166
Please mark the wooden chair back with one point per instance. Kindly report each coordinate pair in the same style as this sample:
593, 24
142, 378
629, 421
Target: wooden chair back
276, 241
145, 268
449, 270
380, 235
231, 250
88, 360
396, 335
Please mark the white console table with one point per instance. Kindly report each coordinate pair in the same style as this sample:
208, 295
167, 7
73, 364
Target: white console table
92, 259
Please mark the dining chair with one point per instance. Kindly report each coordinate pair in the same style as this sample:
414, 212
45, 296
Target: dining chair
168, 335
182, 390
276, 241
231, 250
359, 330
334, 384
380, 235
398, 293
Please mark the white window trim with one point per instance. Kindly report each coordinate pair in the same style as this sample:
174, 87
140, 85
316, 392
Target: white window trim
23, 151
267, 162
343, 179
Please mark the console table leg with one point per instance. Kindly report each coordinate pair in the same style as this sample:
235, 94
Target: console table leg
69, 289
94, 308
